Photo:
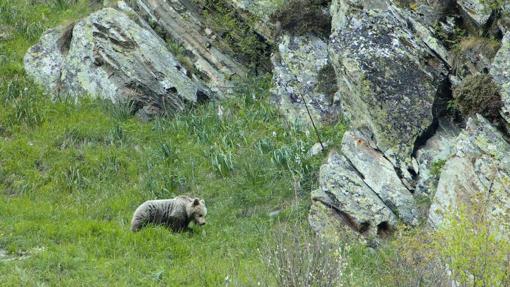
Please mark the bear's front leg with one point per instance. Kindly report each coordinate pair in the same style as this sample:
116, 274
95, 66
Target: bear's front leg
136, 226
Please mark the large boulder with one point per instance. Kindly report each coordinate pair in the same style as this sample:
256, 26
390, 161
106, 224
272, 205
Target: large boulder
109, 55
389, 78
500, 71
479, 169
45, 60
302, 71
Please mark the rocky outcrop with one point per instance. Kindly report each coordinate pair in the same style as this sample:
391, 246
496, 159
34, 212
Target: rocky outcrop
302, 71
405, 146
156, 54
204, 52
363, 188
108, 55
388, 77
392, 76
380, 175
355, 204
476, 10
500, 71
478, 170
504, 22
259, 11
432, 12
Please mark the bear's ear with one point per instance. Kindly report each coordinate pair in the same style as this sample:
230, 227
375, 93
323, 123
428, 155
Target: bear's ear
196, 202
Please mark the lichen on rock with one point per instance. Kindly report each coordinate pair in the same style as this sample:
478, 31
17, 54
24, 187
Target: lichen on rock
500, 71
479, 169
388, 77
303, 75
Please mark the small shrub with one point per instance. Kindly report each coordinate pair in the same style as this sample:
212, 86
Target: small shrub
327, 81
300, 17
437, 166
478, 94
470, 48
296, 257
468, 249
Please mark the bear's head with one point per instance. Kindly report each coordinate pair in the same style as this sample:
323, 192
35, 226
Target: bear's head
197, 211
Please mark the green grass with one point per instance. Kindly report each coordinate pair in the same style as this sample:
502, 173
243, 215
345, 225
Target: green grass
72, 174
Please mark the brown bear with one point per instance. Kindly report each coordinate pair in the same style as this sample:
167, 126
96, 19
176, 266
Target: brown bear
175, 213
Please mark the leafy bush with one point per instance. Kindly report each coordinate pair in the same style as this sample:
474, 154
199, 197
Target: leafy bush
409, 259
327, 81
468, 249
472, 247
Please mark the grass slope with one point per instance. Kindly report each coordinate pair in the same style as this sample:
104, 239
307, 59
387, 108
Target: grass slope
72, 174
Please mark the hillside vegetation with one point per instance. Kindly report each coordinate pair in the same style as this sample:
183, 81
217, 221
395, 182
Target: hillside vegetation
73, 171
72, 174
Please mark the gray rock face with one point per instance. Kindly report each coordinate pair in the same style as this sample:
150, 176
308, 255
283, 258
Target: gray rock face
388, 77
331, 224
379, 174
110, 56
500, 71
302, 70
175, 21
432, 156
362, 189
391, 73
478, 170
355, 204
504, 21
45, 60
476, 10
261, 10
429, 12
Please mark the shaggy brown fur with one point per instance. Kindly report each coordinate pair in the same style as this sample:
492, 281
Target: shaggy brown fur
176, 213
